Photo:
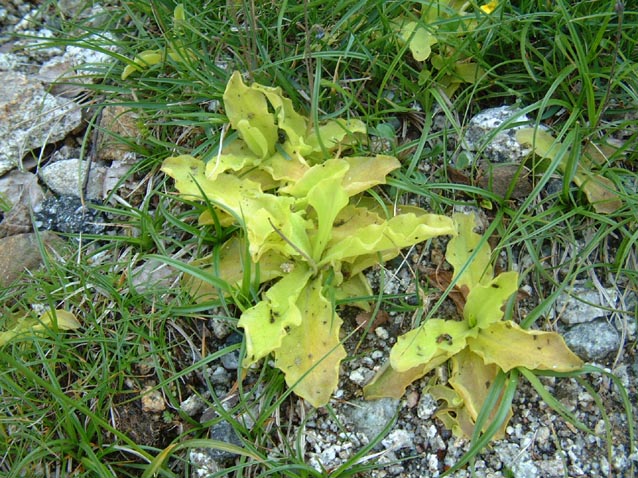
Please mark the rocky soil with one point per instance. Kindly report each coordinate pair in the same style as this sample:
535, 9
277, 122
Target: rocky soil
44, 172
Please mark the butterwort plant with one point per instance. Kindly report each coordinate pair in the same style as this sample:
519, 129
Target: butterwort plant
307, 225
478, 346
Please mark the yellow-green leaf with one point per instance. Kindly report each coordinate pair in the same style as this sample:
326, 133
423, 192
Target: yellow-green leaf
430, 344
273, 224
334, 133
56, 320
485, 301
291, 122
236, 156
332, 168
311, 353
460, 250
266, 323
420, 40
471, 378
600, 191
226, 190
327, 197
388, 383
397, 232
366, 172
508, 345
247, 111
230, 268
143, 60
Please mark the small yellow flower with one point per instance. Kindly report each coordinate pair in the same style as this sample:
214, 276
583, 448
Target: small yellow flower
489, 7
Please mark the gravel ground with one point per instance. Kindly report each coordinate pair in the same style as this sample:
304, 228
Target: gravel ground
538, 443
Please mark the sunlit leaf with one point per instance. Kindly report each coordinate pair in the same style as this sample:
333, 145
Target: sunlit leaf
267, 323
327, 197
397, 232
463, 248
292, 123
426, 344
366, 172
273, 224
332, 168
143, 60
226, 190
236, 156
484, 303
247, 111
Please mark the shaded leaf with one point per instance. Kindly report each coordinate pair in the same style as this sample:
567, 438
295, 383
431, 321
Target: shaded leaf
507, 345
471, 378
388, 383
25, 326
601, 193
334, 133
311, 353
230, 269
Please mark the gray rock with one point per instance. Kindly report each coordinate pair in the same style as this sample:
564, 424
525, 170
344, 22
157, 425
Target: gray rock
192, 405
20, 187
517, 459
31, 118
501, 147
202, 465
68, 214
67, 69
22, 253
593, 341
222, 432
426, 406
66, 178
361, 375
398, 439
583, 304
370, 418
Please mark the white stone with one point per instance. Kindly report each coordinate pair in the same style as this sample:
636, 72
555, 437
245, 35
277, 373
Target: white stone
501, 147
31, 118
584, 304
66, 177
152, 401
398, 439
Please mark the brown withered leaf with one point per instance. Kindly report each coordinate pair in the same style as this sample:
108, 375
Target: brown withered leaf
502, 179
363, 319
441, 279
497, 178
